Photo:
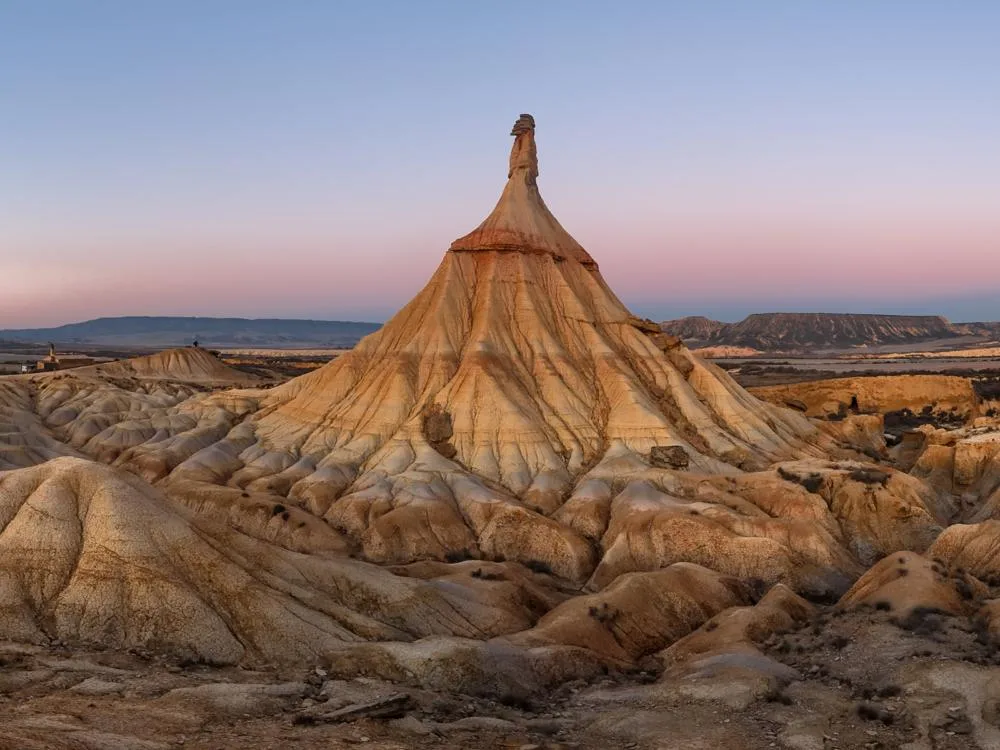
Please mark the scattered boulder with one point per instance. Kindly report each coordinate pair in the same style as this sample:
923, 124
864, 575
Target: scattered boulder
669, 457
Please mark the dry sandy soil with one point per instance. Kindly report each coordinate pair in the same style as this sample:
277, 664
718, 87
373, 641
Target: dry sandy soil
860, 679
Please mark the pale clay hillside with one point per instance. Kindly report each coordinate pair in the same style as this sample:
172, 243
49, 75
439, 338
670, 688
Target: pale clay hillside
513, 486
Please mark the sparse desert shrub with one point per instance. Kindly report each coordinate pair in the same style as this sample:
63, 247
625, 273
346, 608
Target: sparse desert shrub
840, 415
519, 701
604, 614
486, 575
872, 712
987, 389
982, 630
964, 589
870, 476
777, 694
754, 588
538, 566
812, 482
923, 620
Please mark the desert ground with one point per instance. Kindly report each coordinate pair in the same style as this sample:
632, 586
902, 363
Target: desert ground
516, 516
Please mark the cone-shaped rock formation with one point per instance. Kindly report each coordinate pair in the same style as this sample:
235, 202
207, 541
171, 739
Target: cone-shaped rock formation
536, 369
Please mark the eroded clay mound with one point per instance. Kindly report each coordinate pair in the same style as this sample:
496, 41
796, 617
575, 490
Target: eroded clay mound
947, 395
191, 364
91, 554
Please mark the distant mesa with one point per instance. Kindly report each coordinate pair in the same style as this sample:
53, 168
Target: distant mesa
814, 331
157, 332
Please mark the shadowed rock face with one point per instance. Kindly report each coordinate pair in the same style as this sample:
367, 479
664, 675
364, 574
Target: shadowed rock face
514, 475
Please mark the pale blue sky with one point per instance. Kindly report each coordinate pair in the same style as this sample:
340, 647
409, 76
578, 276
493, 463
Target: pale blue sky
315, 159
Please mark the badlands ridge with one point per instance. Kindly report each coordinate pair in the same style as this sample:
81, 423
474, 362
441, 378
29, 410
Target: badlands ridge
513, 484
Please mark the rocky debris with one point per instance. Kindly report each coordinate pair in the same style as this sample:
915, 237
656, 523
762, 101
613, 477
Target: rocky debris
856, 676
391, 707
669, 457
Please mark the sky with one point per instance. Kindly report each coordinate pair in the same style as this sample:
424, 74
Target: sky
315, 158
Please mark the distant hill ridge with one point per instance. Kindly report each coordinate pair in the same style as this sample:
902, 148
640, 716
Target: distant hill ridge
168, 331
795, 331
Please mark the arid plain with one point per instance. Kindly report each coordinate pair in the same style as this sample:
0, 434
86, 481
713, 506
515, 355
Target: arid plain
516, 516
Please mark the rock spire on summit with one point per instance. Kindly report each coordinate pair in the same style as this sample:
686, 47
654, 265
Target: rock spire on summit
521, 222
524, 154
